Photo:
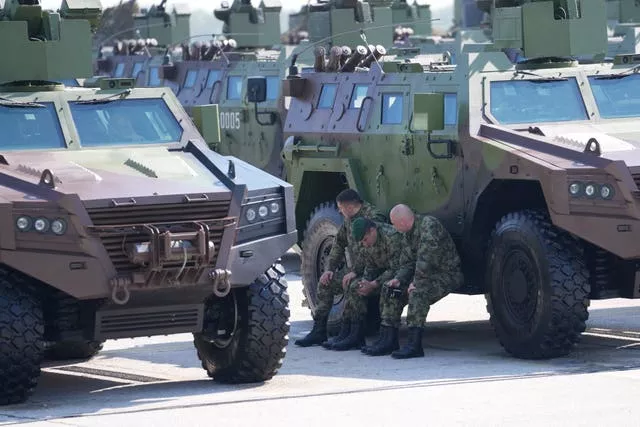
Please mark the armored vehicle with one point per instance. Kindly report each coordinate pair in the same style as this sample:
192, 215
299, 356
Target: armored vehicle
118, 220
532, 166
624, 15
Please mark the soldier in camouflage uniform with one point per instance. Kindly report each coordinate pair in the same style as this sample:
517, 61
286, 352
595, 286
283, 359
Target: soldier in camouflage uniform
382, 243
335, 279
431, 258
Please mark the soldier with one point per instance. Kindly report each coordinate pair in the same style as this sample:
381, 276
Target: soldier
382, 245
433, 262
334, 280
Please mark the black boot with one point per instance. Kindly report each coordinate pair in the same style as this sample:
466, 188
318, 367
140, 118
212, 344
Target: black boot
381, 337
317, 335
413, 347
345, 328
387, 345
355, 339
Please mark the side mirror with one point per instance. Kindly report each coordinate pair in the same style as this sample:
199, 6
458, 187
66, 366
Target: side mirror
205, 117
256, 89
428, 111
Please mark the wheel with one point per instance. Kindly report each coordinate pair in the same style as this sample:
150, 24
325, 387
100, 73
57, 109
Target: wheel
320, 233
21, 343
246, 333
64, 350
538, 286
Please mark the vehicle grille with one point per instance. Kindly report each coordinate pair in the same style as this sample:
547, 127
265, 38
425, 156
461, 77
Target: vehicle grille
115, 242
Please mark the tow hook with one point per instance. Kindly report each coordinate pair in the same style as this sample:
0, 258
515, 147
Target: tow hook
120, 293
221, 282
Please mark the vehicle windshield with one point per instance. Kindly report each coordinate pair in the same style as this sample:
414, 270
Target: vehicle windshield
533, 101
125, 122
30, 128
617, 97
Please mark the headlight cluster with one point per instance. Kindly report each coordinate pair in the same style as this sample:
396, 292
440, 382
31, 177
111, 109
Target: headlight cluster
591, 190
262, 211
57, 226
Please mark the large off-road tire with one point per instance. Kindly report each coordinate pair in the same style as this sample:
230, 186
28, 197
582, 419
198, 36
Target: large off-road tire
65, 350
319, 235
256, 321
21, 339
538, 286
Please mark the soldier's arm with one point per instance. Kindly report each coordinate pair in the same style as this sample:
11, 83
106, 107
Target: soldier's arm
407, 265
394, 250
433, 238
336, 256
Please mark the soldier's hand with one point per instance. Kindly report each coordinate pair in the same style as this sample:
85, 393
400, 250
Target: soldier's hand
326, 276
393, 283
365, 287
411, 288
347, 278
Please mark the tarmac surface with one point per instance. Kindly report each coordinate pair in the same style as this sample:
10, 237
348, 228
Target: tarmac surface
465, 378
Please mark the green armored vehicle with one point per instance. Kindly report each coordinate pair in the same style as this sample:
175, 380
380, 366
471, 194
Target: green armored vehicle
118, 221
532, 166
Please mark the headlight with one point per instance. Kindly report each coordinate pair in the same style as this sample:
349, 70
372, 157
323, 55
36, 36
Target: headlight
251, 214
58, 226
275, 207
263, 211
590, 190
575, 189
23, 223
606, 191
41, 225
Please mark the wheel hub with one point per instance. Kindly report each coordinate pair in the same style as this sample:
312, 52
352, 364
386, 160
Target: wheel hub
520, 286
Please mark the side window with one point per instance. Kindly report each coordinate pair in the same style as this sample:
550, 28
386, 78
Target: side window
358, 95
234, 87
212, 78
190, 79
154, 77
450, 109
137, 67
119, 70
391, 108
272, 87
327, 95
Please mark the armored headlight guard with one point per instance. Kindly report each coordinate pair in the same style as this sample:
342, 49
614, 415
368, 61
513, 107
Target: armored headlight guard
593, 188
42, 224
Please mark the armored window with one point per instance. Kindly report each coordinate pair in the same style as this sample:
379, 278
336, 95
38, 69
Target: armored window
450, 109
119, 72
234, 87
70, 82
536, 101
30, 128
154, 77
125, 122
327, 95
358, 95
137, 67
190, 79
617, 97
272, 87
392, 105
212, 78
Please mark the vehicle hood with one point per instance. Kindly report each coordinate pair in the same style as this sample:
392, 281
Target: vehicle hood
611, 138
113, 173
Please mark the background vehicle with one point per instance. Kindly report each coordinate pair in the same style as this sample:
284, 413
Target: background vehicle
540, 195
118, 220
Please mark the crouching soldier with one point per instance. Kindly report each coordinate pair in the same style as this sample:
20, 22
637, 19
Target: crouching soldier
335, 279
436, 271
382, 243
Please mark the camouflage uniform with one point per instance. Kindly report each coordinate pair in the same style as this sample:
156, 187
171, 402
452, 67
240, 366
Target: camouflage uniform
343, 244
381, 263
437, 269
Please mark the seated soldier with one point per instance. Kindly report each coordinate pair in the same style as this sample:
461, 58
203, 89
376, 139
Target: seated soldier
382, 245
433, 262
332, 281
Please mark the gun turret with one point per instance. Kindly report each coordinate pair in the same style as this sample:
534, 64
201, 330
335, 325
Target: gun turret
251, 27
416, 16
47, 45
168, 28
549, 28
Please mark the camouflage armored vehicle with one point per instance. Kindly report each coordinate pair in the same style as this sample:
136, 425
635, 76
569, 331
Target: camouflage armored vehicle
624, 15
533, 166
118, 221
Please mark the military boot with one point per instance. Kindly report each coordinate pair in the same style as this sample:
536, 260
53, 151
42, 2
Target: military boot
381, 337
386, 345
413, 347
345, 328
317, 335
355, 339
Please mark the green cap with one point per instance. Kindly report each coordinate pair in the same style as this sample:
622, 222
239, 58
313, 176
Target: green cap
359, 227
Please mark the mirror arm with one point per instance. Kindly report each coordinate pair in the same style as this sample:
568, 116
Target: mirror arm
272, 117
